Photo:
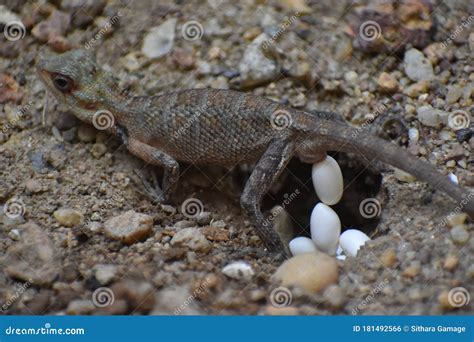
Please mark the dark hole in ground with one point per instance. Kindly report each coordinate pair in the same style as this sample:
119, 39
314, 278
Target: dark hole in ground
360, 182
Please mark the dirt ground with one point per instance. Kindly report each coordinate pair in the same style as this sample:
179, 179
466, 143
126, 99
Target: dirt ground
50, 266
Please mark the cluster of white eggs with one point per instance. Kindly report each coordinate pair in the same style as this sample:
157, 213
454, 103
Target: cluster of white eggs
325, 223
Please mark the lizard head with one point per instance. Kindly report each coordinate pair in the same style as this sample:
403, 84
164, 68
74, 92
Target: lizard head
77, 81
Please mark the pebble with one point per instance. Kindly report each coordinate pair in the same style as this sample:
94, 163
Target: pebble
239, 270
33, 258
444, 300
416, 89
464, 134
33, 186
69, 217
325, 228
83, 12
55, 26
313, 272
191, 238
139, 294
454, 94
105, 273
160, 39
388, 83
327, 181
456, 219
203, 218
451, 262
389, 257
173, 300
403, 176
80, 307
256, 67
413, 270
7, 16
417, 66
352, 240
459, 234
129, 227
98, 150
430, 116
302, 245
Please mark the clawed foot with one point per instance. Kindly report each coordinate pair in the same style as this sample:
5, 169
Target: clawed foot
152, 191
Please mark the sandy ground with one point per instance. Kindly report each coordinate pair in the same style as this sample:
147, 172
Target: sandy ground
414, 259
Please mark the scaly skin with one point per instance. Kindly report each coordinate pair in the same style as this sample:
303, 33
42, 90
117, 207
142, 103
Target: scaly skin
221, 127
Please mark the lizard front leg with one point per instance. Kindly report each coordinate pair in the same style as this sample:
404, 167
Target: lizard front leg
156, 157
268, 168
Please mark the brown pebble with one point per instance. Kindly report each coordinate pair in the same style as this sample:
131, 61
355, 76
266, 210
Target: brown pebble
451, 262
283, 311
312, 272
387, 82
411, 271
389, 258
443, 300
33, 186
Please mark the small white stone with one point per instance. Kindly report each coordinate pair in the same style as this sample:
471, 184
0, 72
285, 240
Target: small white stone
327, 181
413, 134
453, 178
325, 228
239, 270
302, 245
351, 240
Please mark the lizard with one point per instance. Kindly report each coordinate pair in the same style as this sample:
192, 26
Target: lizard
221, 127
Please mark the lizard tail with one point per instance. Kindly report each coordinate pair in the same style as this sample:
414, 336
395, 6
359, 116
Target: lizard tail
338, 136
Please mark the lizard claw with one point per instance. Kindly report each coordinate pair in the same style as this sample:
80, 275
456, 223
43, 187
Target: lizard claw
152, 191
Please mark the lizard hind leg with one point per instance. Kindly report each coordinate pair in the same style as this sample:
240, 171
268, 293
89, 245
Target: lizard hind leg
268, 168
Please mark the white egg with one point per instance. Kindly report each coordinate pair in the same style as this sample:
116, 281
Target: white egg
325, 228
327, 181
351, 240
302, 245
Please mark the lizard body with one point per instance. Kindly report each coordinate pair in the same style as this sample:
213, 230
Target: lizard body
221, 127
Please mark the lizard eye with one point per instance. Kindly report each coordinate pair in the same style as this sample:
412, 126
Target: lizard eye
62, 83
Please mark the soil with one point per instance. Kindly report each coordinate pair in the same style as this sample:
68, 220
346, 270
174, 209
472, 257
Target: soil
409, 266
